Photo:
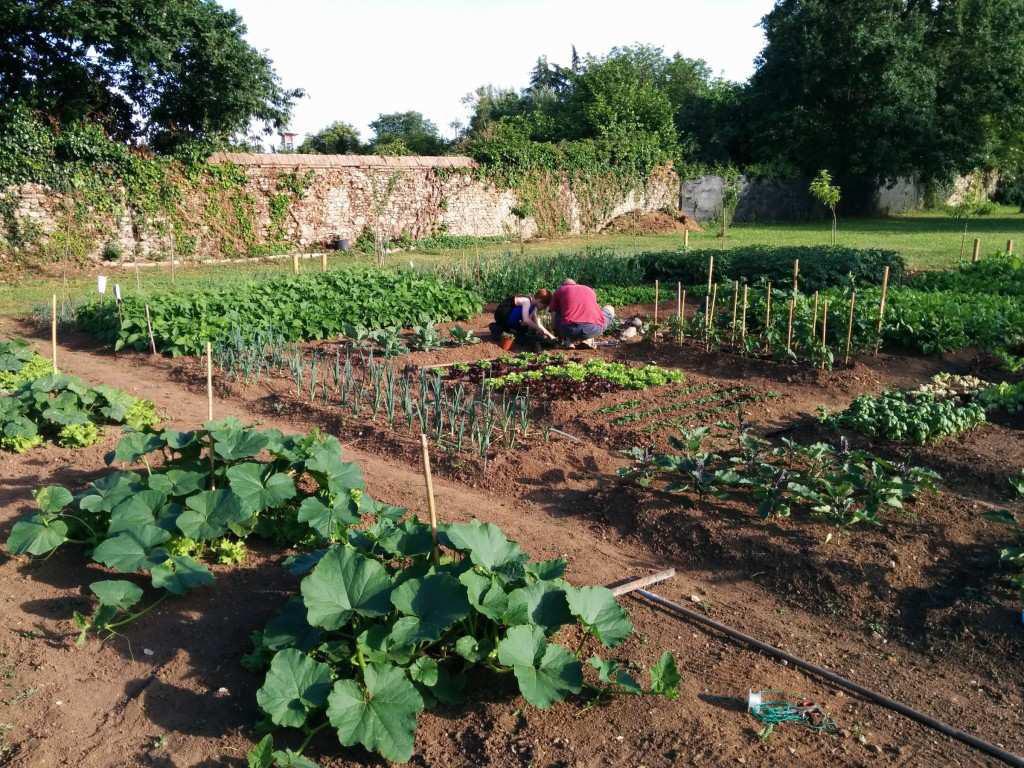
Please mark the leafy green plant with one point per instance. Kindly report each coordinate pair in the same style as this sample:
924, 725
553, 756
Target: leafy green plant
463, 337
425, 338
18, 364
386, 626
67, 410
826, 193
312, 306
907, 417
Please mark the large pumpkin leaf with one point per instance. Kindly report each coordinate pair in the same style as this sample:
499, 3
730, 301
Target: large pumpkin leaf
52, 498
328, 521
209, 513
295, 685
257, 493
180, 573
436, 601
600, 613
177, 482
140, 509
485, 594
134, 445
487, 546
381, 716
546, 672
37, 535
342, 583
232, 441
110, 490
116, 593
338, 476
291, 629
542, 603
133, 550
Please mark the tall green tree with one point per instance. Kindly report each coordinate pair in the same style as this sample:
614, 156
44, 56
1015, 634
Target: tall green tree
161, 71
338, 138
405, 133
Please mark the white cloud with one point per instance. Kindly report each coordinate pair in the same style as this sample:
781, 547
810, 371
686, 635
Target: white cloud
359, 58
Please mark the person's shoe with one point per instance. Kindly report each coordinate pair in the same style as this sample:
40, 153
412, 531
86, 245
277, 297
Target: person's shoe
589, 343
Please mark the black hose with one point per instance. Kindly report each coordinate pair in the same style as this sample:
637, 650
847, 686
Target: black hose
991, 749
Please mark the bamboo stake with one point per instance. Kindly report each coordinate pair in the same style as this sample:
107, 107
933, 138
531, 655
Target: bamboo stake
849, 326
1009, 247
768, 317
656, 287
430, 495
735, 302
173, 275
138, 277
682, 314
711, 314
796, 275
881, 309
686, 239
295, 263
976, 255
53, 331
711, 270
149, 327
824, 329
323, 261
814, 319
679, 302
743, 325
209, 381
789, 327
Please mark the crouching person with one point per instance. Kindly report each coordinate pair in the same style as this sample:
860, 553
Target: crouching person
578, 318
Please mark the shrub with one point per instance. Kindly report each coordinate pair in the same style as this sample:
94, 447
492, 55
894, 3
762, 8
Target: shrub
112, 252
1002, 274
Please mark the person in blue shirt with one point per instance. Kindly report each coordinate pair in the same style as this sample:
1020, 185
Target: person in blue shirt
520, 315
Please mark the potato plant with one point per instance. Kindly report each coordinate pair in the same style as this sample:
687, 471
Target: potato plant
385, 625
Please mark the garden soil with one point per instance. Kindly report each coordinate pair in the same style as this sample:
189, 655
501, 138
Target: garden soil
910, 609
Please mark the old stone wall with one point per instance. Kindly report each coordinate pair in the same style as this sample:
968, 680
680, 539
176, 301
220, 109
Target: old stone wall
312, 201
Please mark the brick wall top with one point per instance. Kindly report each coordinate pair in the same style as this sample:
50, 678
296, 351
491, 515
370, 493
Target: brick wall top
341, 161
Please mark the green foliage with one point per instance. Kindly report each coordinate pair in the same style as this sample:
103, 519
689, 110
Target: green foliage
626, 376
66, 410
820, 267
313, 306
166, 72
405, 133
826, 193
843, 486
338, 138
19, 364
399, 630
908, 417
1001, 274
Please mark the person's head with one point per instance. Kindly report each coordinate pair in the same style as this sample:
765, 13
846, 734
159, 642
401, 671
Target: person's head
542, 297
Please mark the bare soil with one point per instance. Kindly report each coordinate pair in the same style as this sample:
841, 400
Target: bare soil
653, 223
912, 609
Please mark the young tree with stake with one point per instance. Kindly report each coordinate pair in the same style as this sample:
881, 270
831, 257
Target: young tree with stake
828, 194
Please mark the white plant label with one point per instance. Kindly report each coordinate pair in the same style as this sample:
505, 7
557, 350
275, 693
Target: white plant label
101, 283
117, 291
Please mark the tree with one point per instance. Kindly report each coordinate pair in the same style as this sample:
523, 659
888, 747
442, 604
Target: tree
826, 193
415, 133
338, 138
162, 71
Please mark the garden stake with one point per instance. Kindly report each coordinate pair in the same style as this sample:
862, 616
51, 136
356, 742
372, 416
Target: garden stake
430, 495
789, 327
711, 315
209, 382
53, 331
149, 327
977, 251
1009, 247
172, 271
707, 314
768, 316
682, 314
824, 329
735, 299
711, 269
323, 262
849, 326
881, 309
686, 239
295, 263
743, 325
796, 275
814, 319
655, 302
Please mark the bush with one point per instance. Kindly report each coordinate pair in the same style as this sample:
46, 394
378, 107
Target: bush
314, 306
820, 267
112, 252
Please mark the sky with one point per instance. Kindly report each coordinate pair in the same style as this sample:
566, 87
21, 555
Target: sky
357, 59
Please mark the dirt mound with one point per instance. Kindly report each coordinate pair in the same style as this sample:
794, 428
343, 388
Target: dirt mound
653, 223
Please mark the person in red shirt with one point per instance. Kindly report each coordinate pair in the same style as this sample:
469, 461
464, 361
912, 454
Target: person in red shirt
578, 318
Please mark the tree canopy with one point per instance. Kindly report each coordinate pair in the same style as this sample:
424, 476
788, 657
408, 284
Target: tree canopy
160, 71
400, 133
338, 138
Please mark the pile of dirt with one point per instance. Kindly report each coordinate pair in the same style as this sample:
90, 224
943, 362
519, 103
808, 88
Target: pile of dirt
653, 223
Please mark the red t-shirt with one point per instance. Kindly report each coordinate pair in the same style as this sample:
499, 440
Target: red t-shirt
576, 304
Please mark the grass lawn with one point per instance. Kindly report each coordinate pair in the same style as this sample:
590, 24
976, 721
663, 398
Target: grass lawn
926, 240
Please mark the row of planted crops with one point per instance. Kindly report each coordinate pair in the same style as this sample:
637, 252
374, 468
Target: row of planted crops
392, 617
